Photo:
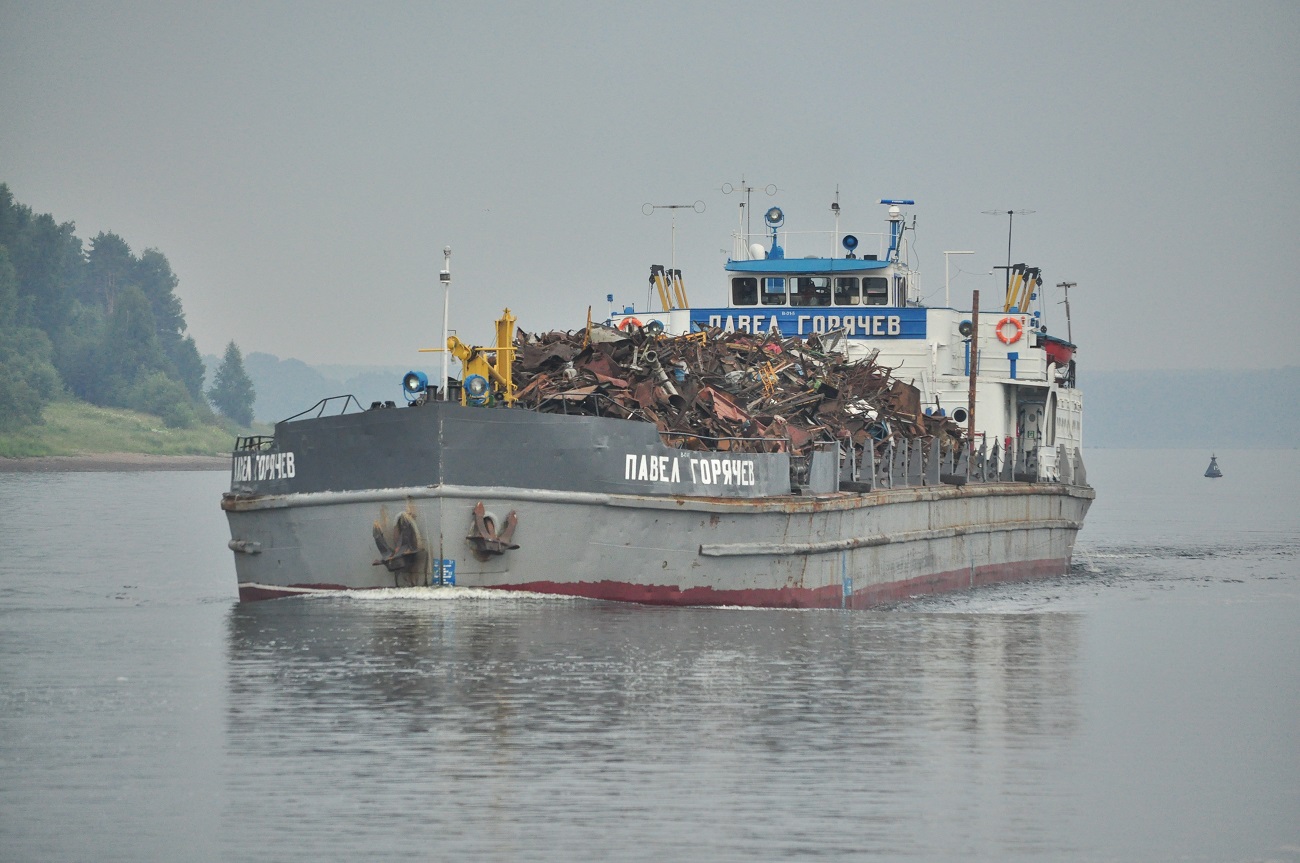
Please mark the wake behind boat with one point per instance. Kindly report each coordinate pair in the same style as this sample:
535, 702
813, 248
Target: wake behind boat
786, 478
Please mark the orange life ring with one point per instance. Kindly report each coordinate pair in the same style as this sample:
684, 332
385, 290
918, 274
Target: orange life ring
1015, 336
627, 324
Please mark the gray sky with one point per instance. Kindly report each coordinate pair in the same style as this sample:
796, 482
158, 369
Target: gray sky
302, 164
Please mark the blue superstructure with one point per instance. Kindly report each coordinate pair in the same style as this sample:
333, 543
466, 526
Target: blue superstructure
862, 295
805, 265
859, 322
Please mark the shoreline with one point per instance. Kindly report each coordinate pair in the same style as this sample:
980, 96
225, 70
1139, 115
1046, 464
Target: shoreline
113, 461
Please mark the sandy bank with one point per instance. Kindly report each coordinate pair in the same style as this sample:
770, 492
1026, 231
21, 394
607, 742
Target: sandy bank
115, 461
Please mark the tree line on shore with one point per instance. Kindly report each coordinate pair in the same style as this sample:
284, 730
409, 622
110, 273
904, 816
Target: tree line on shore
102, 324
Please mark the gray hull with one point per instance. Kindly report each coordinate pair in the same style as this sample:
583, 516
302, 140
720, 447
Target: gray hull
604, 510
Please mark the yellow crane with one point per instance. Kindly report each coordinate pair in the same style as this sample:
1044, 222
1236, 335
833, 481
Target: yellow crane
492, 364
671, 288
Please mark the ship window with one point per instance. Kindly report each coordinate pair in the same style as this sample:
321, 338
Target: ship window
846, 291
875, 290
773, 292
811, 291
744, 291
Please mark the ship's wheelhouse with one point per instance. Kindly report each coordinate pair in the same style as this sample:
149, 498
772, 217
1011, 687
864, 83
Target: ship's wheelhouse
815, 283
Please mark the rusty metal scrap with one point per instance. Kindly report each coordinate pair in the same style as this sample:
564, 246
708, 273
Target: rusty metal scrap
716, 390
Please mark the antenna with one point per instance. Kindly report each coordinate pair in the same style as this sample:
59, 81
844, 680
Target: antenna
1065, 286
648, 209
946, 300
1010, 214
835, 208
728, 188
445, 278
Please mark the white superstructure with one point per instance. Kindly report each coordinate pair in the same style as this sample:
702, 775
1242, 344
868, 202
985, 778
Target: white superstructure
1025, 379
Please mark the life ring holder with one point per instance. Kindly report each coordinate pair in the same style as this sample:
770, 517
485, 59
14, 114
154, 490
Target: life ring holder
1017, 332
628, 323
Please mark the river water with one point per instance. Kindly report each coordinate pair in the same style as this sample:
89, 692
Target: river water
1146, 707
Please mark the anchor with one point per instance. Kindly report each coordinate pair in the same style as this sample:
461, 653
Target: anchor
484, 537
403, 554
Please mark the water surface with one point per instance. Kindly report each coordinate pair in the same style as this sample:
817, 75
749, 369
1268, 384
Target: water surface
1143, 708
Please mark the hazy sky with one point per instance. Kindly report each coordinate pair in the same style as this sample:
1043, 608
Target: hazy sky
302, 164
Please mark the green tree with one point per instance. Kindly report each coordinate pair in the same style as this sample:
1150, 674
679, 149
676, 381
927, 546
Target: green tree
8, 290
47, 259
129, 350
115, 326
77, 353
189, 367
110, 269
157, 394
232, 390
153, 273
27, 380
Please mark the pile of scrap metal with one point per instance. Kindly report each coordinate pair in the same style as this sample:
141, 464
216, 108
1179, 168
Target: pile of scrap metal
730, 391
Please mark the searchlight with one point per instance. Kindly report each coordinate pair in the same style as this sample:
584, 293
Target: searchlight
414, 384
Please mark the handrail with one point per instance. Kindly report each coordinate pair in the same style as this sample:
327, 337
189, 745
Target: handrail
253, 442
566, 397
319, 407
789, 445
637, 412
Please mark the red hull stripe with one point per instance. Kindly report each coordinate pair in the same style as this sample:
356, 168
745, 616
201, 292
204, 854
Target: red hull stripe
828, 596
958, 579
254, 592
800, 597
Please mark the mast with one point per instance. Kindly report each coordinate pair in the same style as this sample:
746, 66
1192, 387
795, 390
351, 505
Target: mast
1065, 286
445, 278
974, 366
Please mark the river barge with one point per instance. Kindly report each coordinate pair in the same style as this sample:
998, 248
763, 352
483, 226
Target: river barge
481, 490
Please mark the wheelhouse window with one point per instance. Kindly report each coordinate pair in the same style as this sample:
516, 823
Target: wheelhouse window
875, 291
773, 292
811, 291
846, 291
744, 291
